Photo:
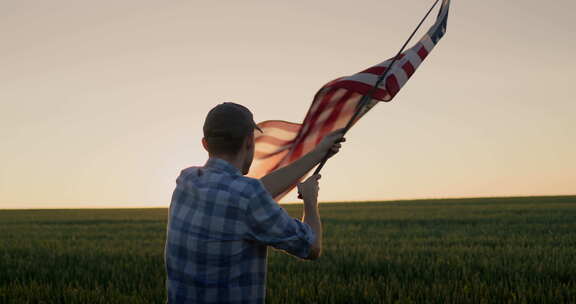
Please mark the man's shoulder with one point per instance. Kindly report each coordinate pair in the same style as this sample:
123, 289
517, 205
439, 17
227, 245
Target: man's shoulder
189, 170
246, 186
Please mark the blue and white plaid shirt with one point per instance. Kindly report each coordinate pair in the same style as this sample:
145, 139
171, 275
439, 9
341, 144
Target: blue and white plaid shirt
220, 224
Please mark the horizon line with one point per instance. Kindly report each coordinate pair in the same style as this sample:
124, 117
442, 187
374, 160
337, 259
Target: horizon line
321, 202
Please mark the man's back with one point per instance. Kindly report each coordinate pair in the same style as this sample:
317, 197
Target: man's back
220, 223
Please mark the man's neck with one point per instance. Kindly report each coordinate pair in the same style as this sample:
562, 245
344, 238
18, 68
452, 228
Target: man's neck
235, 161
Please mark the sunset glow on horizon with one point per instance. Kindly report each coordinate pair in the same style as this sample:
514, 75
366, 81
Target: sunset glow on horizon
102, 103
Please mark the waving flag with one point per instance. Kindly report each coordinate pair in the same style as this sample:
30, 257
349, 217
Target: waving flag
281, 142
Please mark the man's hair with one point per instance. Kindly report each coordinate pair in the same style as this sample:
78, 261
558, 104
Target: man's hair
225, 145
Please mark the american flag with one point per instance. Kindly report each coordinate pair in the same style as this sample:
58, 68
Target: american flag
282, 142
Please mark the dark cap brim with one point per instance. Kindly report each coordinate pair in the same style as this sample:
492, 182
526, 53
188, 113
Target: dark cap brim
258, 128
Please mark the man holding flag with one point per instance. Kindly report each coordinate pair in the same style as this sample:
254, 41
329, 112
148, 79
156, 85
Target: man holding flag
221, 222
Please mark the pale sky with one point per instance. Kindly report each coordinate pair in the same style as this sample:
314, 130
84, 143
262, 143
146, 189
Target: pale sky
102, 102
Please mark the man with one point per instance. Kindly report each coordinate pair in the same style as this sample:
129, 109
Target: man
221, 222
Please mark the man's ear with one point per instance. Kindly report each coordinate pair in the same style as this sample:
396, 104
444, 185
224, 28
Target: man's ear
248, 142
205, 144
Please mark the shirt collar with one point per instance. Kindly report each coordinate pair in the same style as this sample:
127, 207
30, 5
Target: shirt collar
222, 165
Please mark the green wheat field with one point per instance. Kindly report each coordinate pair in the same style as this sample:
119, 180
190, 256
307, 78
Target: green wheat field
492, 250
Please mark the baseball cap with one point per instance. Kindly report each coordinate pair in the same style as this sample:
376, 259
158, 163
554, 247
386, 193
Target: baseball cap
229, 120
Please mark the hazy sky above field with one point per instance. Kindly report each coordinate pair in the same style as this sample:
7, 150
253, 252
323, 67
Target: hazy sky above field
102, 102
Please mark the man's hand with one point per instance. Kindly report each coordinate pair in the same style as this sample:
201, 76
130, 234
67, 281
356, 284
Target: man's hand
331, 143
309, 189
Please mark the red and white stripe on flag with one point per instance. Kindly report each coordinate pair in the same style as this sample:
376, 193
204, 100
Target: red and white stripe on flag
281, 142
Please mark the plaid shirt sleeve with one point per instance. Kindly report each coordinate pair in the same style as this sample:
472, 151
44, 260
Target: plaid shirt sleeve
268, 223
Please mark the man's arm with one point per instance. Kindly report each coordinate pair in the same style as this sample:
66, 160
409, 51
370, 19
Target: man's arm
309, 190
271, 225
280, 180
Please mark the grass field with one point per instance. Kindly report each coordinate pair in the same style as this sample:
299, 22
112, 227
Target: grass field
497, 250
